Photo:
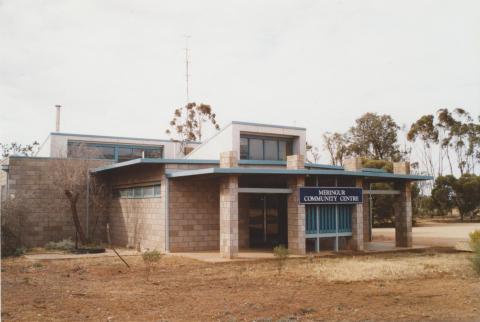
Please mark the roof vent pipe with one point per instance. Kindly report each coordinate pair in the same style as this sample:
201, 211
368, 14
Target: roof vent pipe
57, 121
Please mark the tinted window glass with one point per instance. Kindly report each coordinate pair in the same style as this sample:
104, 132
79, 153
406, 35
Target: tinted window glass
102, 152
282, 150
124, 154
243, 148
289, 148
255, 149
137, 192
271, 150
156, 190
153, 153
137, 153
148, 191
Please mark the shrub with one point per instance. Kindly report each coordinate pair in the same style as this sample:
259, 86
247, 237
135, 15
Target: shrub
64, 245
475, 245
474, 237
281, 254
19, 251
150, 259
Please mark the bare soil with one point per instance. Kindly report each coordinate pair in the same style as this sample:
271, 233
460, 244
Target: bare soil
401, 287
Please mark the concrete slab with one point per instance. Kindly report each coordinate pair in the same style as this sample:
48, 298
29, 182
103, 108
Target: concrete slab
388, 246
440, 235
214, 256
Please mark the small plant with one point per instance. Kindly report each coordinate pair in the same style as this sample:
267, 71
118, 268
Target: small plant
281, 254
475, 245
19, 251
474, 237
150, 259
37, 265
64, 245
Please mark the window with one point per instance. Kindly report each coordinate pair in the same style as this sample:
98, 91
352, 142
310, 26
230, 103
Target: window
82, 150
259, 148
150, 191
147, 191
255, 150
116, 152
153, 153
270, 149
243, 148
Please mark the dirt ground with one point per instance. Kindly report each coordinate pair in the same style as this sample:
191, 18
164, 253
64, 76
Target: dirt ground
403, 286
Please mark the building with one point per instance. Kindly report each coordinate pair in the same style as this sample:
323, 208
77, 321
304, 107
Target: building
118, 149
248, 186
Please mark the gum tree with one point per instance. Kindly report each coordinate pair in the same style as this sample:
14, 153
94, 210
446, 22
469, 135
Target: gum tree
187, 123
14, 148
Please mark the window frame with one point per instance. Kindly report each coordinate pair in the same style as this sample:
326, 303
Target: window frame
263, 139
130, 192
116, 149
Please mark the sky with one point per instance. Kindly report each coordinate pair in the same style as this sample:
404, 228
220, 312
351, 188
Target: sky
118, 67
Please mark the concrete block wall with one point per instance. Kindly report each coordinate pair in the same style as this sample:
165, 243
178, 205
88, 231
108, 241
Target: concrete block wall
296, 216
194, 215
138, 223
45, 213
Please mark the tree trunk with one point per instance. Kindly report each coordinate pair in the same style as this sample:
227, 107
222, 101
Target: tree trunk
73, 198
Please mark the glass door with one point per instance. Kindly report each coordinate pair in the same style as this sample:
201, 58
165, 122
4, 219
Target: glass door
267, 220
256, 220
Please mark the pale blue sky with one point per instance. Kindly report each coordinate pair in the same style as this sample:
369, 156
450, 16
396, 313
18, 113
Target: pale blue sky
118, 66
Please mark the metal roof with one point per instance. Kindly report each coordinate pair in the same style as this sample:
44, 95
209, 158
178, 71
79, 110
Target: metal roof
115, 137
384, 175
314, 169
200, 161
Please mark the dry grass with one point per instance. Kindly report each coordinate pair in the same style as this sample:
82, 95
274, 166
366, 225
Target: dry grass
407, 287
369, 268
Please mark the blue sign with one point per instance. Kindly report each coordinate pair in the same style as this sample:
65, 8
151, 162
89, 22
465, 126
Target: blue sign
331, 195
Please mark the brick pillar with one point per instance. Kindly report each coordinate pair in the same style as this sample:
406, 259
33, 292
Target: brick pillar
401, 167
366, 217
357, 222
295, 162
352, 164
229, 207
228, 159
403, 207
296, 217
403, 215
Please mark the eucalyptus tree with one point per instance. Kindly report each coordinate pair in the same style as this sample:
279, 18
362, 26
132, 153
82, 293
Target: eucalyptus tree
14, 148
187, 123
374, 136
336, 144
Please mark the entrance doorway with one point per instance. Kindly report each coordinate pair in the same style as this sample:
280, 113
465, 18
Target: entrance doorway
267, 220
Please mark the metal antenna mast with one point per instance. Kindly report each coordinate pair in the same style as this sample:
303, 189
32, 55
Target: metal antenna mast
187, 62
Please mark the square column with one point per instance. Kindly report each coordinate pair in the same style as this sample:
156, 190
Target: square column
296, 217
229, 216
357, 222
403, 215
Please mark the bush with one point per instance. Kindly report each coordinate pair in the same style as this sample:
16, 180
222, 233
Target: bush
281, 254
474, 237
64, 245
150, 259
475, 245
19, 251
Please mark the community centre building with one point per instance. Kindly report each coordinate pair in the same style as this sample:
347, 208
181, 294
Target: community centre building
248, 186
